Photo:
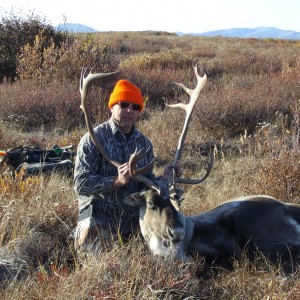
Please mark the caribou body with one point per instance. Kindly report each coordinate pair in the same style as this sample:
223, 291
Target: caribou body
253, 224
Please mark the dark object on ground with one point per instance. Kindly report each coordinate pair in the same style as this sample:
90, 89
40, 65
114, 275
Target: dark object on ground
35, 160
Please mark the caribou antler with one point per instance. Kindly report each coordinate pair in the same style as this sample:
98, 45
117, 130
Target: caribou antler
189, 108
86, 79
135, 173
134, 158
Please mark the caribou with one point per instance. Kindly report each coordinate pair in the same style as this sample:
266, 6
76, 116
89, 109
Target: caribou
255, 224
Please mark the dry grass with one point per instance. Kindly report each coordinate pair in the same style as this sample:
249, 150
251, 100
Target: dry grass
40, 235
248, 113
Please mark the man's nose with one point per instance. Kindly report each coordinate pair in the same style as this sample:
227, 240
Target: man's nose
129, 108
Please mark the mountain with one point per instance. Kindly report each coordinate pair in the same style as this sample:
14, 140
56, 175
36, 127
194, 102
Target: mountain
74, 28
259, 32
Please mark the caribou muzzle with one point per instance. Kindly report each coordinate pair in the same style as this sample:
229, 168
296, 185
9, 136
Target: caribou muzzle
175, 235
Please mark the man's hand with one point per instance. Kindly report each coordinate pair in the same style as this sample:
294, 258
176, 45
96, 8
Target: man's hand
123, 176
168, 171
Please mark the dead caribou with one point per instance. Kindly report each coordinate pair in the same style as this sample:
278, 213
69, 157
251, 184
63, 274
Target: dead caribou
255, 223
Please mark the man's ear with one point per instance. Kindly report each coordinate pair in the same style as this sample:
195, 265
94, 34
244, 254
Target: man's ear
136, 199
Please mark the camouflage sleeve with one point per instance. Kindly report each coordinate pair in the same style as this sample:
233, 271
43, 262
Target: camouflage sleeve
87, 180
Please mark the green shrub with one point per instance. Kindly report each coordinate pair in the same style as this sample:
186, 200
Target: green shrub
15, 32
64, 63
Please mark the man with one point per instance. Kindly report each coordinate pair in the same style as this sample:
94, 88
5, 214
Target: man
100, 186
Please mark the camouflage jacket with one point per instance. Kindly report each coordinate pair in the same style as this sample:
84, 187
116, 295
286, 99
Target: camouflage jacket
93, 175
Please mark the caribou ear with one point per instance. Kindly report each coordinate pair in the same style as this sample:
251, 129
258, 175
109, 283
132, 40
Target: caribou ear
136, 199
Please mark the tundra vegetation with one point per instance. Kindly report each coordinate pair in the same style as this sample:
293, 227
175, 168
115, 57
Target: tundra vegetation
248, 112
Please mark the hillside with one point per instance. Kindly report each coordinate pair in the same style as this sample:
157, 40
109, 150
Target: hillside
75, 28
259, 32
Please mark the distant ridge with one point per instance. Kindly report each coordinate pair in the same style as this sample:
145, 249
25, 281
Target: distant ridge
259, 32
75, 28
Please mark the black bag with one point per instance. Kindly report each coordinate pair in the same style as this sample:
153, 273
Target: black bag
36, 160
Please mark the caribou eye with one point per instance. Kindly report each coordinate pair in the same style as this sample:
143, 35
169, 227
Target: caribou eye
152, 206
176, 197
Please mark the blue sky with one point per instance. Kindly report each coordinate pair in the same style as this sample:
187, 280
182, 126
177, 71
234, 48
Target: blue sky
166, 15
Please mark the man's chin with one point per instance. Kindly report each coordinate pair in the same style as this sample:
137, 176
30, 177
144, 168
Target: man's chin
126, 126
127, 122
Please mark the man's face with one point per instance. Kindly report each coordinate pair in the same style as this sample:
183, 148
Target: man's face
125, 115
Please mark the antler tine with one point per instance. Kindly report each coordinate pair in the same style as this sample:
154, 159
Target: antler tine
201, 179
135, 173
134, 158
194, 95
189, 108
86, 79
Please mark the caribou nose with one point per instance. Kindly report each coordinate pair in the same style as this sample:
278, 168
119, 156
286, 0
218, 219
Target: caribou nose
176, 234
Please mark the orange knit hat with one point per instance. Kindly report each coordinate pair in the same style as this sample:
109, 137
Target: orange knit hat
125, 91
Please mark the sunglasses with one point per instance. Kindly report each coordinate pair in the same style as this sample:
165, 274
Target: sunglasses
127, 104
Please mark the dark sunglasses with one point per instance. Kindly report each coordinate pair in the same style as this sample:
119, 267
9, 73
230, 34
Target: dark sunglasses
133, 105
